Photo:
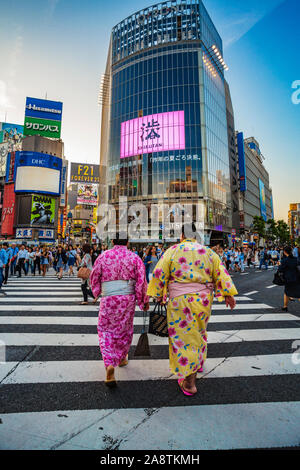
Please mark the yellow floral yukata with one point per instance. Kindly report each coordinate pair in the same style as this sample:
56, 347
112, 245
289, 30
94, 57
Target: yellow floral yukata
188, 314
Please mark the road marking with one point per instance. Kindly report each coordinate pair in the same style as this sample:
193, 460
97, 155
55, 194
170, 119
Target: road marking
271, 287
86, 321
251, 293
150, 369
49, 429
227, 336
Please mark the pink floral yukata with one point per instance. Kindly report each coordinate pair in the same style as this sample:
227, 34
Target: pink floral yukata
116, 313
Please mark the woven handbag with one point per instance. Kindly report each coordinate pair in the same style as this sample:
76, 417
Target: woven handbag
158, 323
84, 273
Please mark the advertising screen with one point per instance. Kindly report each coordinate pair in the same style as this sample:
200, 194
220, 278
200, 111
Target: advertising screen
87, 194
11, 132
84, 173
37, 172
42, 210
262, 197
153, 133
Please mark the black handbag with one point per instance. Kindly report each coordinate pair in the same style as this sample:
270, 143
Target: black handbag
158, 323
142, 347
279, 279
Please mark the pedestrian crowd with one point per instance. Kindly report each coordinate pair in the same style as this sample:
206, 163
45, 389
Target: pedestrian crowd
237, 258
187, 277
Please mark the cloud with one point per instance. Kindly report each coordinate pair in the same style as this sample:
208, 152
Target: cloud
51, 7
239, 23
5, 101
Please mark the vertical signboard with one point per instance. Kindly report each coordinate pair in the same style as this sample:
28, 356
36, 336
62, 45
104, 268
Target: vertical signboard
8, 210
242, 162
63, 184
262, 198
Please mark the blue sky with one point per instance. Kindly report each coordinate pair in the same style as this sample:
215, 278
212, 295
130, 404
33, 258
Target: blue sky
59, 48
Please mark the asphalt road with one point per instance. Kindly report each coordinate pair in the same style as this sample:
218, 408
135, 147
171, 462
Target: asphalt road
52, 394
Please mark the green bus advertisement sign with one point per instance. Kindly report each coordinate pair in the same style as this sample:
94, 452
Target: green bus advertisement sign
43, 127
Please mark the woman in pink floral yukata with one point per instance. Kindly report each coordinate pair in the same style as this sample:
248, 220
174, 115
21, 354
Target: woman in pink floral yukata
119, 277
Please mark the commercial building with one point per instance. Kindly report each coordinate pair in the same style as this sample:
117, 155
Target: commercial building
81, 217
36, 176
294, 220
164, 136
255, 193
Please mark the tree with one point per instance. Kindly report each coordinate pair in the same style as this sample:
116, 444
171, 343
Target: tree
259, 226
272, 232
283, 232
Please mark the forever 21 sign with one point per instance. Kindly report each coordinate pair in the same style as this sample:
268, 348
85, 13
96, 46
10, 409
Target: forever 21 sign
84, 173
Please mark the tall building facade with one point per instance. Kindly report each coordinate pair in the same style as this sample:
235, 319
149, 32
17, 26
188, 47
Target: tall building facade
255, 192
164, 126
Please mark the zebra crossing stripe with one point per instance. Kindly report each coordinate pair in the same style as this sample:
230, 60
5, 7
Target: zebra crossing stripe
227, 336
94, 371
51, 429
61, 320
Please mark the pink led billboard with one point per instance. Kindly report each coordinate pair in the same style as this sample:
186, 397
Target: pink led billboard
153, 133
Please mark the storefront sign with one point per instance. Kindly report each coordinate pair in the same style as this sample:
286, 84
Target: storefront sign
24, 233
84, 173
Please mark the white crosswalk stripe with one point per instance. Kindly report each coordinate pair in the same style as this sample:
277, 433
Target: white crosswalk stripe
53, 360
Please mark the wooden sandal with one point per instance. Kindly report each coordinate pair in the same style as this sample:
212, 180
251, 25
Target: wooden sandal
110, 380
124, 362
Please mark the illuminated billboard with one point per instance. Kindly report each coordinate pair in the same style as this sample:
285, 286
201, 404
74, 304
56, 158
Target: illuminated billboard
42, 210
37, 172
153, 133
262, 197
87, 194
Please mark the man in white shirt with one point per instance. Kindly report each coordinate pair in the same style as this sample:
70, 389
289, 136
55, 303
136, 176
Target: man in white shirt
21, 258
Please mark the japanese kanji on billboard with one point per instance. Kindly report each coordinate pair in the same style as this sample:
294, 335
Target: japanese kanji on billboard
43, 117
153, 133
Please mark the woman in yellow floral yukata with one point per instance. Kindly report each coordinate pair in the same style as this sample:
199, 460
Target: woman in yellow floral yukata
190, 273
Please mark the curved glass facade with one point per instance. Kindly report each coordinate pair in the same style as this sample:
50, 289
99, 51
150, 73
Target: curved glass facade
166, 61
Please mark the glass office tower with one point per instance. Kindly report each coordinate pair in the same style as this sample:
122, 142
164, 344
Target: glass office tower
164, 129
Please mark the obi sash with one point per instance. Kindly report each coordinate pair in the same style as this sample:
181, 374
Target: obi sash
119, 287
176, 289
